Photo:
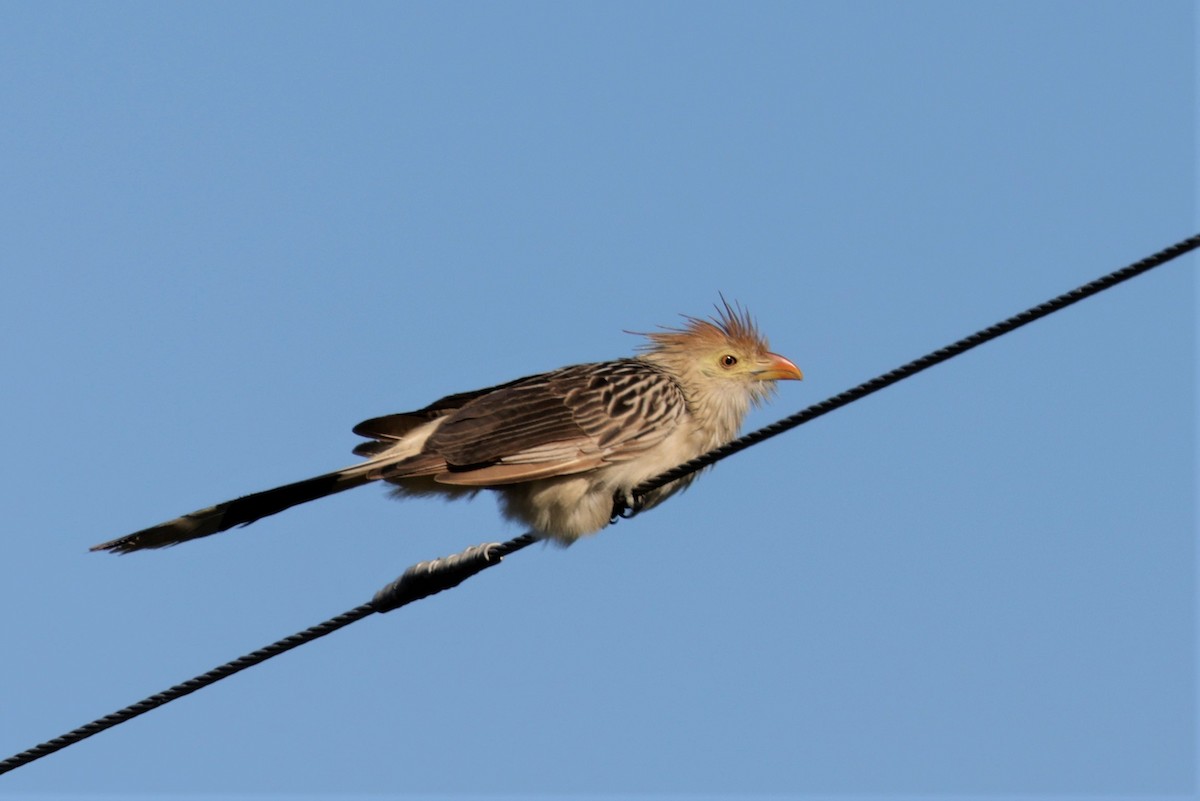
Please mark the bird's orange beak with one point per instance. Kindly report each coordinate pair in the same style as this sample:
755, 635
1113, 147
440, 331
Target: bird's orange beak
778, 368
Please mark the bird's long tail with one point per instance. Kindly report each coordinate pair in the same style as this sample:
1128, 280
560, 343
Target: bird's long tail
242, 511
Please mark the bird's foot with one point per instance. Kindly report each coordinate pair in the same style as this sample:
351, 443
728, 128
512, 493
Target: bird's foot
626, 505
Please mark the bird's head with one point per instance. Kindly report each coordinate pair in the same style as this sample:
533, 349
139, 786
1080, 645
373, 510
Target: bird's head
721, 357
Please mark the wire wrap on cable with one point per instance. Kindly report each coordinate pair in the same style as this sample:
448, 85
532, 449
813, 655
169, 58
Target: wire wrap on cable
431, 577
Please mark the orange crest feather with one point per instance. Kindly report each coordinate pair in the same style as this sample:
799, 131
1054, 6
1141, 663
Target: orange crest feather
730, 325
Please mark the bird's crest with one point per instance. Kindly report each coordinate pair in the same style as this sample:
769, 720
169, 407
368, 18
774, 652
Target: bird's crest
730, 324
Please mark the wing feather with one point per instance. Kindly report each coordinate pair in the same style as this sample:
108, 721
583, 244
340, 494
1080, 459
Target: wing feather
558, 423
592, 410
500, 474
393, 427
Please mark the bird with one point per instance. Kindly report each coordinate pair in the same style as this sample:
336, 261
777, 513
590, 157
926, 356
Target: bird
556, 447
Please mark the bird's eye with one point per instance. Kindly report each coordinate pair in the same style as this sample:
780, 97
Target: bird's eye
728, 360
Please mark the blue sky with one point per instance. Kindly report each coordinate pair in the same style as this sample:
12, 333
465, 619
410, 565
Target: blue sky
232, 231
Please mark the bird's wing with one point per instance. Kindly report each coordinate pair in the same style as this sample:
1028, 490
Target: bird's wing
394, 426
558, 423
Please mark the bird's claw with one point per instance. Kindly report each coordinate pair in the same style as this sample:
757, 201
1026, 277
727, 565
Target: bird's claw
626, 505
